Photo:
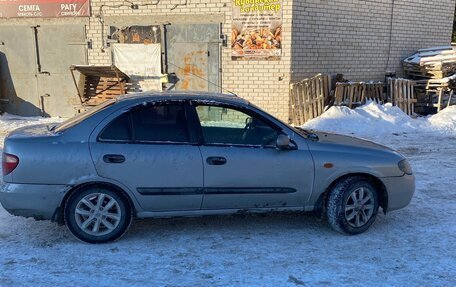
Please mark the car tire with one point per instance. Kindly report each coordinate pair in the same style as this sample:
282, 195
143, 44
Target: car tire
352, 205
97, 215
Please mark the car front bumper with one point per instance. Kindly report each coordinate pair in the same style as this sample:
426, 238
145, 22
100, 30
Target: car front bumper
400, 191
32, 200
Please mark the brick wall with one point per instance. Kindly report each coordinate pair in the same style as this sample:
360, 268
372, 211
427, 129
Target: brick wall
265, 83
352, 36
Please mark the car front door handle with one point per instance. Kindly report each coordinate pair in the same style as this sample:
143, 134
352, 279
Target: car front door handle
113, 158
216, 160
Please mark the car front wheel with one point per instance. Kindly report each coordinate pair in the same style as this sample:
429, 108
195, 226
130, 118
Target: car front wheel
97, 215
352, 205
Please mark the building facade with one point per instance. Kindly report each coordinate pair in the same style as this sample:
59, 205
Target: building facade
361, 39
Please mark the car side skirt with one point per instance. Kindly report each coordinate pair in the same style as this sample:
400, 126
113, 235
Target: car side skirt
198, 213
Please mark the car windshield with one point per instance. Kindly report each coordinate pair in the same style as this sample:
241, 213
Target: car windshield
79, 118
299, 130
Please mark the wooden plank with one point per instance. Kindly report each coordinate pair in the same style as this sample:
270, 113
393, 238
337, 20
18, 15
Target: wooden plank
391, 90
313, 97
308, 103
302, 116
323, 94
328, 85
319, 95
413, 97
439, 103
299, 103
292, 105
396, 93
338, 94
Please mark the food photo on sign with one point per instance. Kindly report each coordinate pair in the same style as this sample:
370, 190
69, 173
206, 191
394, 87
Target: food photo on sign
256, 32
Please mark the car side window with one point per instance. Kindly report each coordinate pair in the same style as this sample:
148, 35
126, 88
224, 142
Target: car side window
117, 130
160, 123
229, 126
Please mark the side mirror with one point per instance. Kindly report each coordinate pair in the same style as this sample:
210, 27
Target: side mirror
284, 142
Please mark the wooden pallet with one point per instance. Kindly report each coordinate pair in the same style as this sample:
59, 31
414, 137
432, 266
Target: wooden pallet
99, 83
308, 98
353, 94
402, 94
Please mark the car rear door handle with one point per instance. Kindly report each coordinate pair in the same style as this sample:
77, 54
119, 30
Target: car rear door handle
113, 158
216, 160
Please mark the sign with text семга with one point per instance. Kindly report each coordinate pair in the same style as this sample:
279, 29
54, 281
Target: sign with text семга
44, 8
256, 32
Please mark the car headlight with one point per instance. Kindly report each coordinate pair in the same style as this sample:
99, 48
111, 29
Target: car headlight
405, 166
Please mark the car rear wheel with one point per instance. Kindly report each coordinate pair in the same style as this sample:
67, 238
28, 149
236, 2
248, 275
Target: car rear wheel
97, 215
352, 205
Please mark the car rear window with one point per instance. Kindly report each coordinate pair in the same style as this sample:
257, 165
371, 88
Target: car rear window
150, 123
160, 123
79, 118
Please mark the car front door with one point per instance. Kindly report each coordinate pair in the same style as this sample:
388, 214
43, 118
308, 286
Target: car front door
149, 149
242, 166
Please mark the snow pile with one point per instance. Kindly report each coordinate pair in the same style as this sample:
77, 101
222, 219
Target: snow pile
375, 119
445, 120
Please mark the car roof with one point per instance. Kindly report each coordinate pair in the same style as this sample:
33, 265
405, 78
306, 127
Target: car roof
183, 95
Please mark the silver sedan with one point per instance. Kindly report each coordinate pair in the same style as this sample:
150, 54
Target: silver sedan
192, 154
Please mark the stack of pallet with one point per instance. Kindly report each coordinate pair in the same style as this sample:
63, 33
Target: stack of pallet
431, 63
438, 93
434, 71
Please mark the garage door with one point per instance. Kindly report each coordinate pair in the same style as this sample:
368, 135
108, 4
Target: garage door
34, 67
194, 55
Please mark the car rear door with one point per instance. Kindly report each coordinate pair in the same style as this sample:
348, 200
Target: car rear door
149, 148
242, 166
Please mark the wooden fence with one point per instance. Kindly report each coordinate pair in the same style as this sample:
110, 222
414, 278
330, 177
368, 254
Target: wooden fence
401, 92
353, 94
308, 98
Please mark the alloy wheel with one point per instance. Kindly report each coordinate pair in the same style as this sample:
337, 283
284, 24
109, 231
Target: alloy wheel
98, 214
359, 207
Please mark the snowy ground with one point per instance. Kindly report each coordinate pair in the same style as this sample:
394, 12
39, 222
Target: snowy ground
410, 247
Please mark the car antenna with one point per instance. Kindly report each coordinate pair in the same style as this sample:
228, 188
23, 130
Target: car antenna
217, 85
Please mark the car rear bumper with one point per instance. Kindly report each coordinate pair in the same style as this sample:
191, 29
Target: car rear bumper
400, 191
31, 200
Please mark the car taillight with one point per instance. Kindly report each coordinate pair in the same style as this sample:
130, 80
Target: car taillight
9, 163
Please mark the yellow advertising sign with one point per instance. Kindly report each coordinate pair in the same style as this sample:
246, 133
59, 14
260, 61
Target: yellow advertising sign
256, 32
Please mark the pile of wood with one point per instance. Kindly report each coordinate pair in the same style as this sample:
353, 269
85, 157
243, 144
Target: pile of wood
353, 94
434, 72
431, 63
437, 93
309, 97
